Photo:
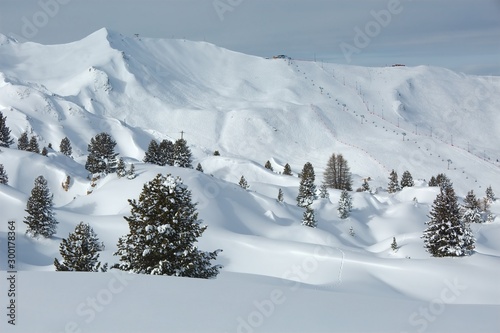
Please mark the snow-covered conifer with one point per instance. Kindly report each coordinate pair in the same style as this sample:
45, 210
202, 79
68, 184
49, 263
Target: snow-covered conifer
490, 196
23, 141
102, 157
323, 192
471, 209
4, 179
5, 139
268, 166
65, 147
199, 167
166, 153
446, 234
345, 205
151, 154
308, 218
120, 168
287, 170
80, 251
393, 185
182, 154
280, 195
40, 219
164, 228
307, 189
243, 183
407, 180
365, 187
394, 244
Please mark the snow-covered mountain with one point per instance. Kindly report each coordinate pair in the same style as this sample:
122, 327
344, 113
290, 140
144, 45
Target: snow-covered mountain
277, 275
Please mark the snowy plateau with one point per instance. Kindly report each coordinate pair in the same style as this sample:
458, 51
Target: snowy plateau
277, 275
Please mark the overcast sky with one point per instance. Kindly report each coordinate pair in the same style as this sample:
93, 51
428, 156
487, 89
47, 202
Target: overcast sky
463, 35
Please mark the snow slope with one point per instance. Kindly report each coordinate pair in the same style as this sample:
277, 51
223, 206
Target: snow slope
277, 275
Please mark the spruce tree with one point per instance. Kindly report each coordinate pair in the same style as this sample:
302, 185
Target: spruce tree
268, 166
323, 192
446, 234
490, 196
394, 244
307, 189
199, 167
337, 174
151, 155
102, 157
432, 182
345, 205
471, 209
280, 195
182, 154
80, 251
5, 139
407, 180
166, 153
4, 179
23, 141
442, 180
131, 172
120, 168
33, 145
40, 219
243, 183
308, 218
287, 170
65, 147
393, 185
164, 228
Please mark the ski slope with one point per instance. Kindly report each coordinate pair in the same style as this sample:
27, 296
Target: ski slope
278, 276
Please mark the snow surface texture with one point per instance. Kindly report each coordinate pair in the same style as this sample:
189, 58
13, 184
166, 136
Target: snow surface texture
278, 275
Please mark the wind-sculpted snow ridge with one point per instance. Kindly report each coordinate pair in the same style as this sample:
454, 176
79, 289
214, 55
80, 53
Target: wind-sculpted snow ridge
277, 274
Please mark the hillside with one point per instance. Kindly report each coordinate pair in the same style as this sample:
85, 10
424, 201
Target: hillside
277, 275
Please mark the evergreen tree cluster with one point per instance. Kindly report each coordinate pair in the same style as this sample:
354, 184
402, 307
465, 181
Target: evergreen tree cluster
168, 153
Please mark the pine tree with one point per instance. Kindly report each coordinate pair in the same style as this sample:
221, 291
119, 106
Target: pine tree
23, 141
470, 211
394, 244
280, 195
308, 218
33, 145
166, 153
287, 170
44, 151
307, 189
151, 155
102, 157
131, 172
268, 166
337, 173
199, 167
65, 147
182, 154
446, 234
243, 183
490, 196
164, 227
80, 251
407, 180
40, 219
120, 168
442, 180
5, 139
345, 205
433, 182
4, 179
393, 185
216, 153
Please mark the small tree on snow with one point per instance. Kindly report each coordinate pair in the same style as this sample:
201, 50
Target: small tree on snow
407, 180
182, 154
471, 209
199, 167
164, 228
280, 195
323, 192
393, 185
287, 170
345, 204
308, 218
243, 183
394, 244
490, 196
446, 234
131, 172
365, 187
40, 219
4, 179
307, 189
268, 166
23, 141
65, 147
80, 251
120, 168
5, 139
